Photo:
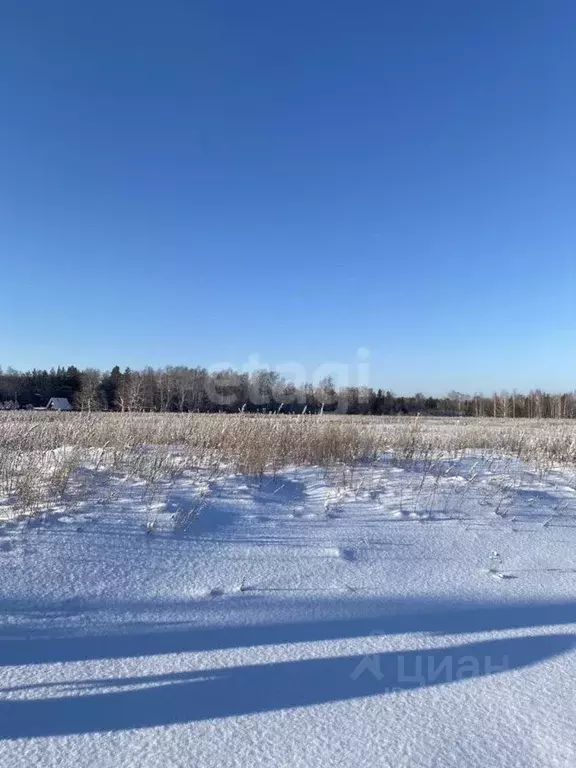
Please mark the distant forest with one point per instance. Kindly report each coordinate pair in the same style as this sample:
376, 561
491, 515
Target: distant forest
182, 389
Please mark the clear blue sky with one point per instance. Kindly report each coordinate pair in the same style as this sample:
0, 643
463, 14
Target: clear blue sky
198, 182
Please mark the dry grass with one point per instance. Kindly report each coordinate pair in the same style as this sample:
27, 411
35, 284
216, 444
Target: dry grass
57, 459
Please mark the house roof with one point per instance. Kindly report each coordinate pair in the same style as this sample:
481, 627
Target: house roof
60, 403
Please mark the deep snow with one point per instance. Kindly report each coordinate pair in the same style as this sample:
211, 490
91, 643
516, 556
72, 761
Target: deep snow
397, 615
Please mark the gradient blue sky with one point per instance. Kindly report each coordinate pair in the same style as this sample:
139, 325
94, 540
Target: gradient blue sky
198, 182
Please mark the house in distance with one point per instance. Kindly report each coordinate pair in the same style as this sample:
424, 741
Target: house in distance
58, 404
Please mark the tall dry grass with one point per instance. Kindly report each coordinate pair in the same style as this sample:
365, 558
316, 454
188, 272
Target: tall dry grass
49, 459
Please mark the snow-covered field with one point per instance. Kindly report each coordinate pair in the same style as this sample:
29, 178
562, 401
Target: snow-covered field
403, 612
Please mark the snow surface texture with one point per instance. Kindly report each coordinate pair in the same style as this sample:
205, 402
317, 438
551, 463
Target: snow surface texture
394, 615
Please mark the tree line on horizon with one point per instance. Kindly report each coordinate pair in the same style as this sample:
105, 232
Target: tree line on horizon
184, 389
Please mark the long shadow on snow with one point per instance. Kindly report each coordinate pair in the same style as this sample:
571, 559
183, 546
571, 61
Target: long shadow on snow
365, 617
187, 697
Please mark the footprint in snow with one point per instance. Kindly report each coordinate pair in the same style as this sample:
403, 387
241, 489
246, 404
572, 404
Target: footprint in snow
403, 514
502, 576
342, 554
331, 551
